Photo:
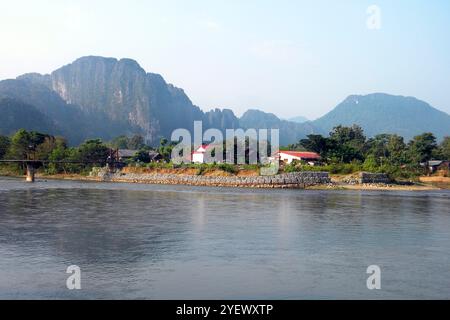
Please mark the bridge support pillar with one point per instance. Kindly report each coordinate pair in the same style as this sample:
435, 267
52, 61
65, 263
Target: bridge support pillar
30, 172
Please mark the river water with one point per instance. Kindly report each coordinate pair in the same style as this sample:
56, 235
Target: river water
181, 242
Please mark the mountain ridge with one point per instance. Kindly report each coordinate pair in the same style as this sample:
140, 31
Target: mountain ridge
384, 113
97, 97
108, 97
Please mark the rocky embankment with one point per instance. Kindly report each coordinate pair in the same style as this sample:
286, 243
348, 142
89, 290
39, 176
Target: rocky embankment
364, 178
286, 180
296, 180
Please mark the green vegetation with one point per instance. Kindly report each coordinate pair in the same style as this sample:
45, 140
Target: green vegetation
136, 142
35, 145
4, 145
347, 150
444, 149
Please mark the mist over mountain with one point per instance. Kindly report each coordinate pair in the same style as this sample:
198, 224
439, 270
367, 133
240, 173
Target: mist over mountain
383, 113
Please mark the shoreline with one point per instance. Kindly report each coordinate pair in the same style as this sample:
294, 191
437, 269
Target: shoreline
378, 187
332, 186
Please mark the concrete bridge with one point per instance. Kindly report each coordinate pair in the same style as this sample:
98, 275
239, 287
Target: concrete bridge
32, 165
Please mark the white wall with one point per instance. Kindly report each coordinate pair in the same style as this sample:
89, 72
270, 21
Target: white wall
198, 158
288, 158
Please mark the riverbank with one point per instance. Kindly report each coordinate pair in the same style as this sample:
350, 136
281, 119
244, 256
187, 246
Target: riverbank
251, 179
218, 178
332, 185
379, 187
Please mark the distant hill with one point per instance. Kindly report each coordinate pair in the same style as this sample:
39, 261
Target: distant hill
66, 119
290, 132
382, 113
16, 115
120, 97
97, 97
299, 119
105, 97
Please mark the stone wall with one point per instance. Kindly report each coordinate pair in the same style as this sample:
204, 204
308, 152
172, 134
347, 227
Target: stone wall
366, 177
287, 180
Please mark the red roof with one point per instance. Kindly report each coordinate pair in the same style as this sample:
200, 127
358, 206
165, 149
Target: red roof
301, 154
201, 147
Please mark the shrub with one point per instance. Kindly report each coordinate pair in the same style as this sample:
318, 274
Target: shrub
227, 167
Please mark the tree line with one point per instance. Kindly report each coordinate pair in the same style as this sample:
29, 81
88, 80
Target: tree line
29, 145
383, 152
346, 148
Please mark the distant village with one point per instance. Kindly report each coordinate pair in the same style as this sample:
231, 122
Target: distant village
345, 151
285, 157
199, 156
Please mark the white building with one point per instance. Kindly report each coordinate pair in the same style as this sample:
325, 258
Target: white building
198, 156
289, 156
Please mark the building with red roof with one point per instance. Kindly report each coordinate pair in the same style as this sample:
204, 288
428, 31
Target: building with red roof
289, 156
198, 156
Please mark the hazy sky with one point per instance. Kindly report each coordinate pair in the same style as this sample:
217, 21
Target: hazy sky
286, 57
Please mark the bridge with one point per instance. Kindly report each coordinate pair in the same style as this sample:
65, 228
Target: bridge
33, 164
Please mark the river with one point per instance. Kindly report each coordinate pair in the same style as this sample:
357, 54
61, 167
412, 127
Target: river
181, 242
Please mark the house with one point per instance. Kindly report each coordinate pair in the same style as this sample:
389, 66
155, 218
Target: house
155, 156
127, 154
124, 154
198, 156
437, 165
290, 156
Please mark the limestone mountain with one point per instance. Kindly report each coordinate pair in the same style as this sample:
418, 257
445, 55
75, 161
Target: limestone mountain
221, 119
105, 97
290, 132
382, 113
122, 93
66, 119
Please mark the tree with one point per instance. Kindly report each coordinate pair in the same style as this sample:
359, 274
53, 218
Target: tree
37, 138
59, 153
136, 142
421, 148
397, 149
45, 149
20, 145
24, 143
120, 142
5, 142
348, 143
93, 151
445, 148
371, 163
354, 135
318, 144
142, 156
163, 142
378, 146
386, 146
166, 152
